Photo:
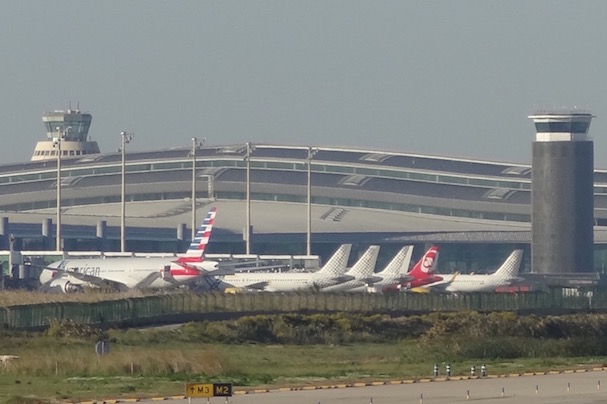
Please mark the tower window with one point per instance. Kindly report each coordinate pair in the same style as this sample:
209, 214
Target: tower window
561, 127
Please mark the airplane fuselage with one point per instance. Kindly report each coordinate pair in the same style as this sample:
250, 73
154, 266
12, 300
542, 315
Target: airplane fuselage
276, 282
474, 283
129, 271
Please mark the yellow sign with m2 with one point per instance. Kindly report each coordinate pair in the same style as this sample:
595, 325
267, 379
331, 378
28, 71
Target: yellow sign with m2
208, 390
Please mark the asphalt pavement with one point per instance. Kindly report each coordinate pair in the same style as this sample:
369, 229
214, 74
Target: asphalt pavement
583, 387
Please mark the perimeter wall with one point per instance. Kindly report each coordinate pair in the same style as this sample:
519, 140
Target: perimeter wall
183, 307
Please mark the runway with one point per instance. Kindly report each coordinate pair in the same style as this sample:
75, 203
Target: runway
565, 387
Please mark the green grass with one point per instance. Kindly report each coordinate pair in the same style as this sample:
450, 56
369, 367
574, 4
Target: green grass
75, 372
61, 364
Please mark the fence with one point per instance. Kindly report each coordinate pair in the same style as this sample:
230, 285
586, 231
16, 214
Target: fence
191, 306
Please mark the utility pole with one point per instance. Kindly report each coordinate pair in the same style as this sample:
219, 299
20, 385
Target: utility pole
250, 148
62, 134
196, 144
125, 138
311, 153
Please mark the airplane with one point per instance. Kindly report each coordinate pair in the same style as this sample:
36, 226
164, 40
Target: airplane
360, 272
421, 274
395, 272
506, 274
331, 273
124, 273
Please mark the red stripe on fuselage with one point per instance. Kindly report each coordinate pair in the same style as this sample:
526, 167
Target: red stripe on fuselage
185, 271
185, 260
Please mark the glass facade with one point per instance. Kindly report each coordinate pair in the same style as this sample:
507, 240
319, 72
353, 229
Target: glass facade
562, 127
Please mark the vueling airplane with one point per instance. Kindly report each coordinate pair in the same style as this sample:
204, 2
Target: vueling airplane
505, 275
360, 272
124, 273
330, 274
395, 272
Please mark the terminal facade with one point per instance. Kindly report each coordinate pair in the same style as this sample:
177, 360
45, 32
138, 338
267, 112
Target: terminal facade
477, 211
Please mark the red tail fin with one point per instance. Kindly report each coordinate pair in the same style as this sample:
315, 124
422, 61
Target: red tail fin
426, 264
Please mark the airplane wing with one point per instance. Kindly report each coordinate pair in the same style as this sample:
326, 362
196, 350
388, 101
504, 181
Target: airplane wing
404, 279
106, 283
90, 279
256, 286
438, 287
343, 278
372, 279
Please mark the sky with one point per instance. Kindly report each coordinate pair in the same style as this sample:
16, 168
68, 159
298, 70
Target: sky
448, 78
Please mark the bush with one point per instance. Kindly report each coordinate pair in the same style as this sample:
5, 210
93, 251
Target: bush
71, 329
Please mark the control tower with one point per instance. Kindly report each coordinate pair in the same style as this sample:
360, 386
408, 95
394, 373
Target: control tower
73, 126
562, 196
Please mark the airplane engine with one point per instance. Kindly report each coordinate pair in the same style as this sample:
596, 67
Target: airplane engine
65, 286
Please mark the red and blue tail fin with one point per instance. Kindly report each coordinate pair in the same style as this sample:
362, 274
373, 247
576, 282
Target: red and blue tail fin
195, 252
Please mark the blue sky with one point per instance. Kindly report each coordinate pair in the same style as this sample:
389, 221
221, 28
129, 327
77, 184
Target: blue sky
452, 78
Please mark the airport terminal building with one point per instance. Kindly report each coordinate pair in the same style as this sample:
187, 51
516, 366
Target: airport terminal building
477, 211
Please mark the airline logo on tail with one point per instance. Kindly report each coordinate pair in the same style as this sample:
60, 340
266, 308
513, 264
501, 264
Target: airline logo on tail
426, 265
195, 252
421, 274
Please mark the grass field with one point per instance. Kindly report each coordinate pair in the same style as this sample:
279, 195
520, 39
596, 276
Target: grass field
290, 350
72, 371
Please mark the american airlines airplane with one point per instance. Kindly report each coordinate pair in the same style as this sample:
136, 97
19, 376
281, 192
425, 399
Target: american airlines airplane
395, 272
71, 275
505, 275
360, 272
331, 273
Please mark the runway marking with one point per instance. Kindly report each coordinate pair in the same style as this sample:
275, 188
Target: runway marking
360, 384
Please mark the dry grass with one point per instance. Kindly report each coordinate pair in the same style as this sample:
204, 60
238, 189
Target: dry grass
82, 361
67, 368
17, 297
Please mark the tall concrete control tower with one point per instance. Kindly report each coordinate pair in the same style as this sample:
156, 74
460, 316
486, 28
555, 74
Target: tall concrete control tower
562, 201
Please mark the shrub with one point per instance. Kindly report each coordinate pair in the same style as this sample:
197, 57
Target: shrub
71, 329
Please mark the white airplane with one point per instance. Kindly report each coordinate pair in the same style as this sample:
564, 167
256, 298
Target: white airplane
331, 273
124, 273
395, 272
459, 283
360, 272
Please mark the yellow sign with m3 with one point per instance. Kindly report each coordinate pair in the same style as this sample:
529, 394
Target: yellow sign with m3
208, 389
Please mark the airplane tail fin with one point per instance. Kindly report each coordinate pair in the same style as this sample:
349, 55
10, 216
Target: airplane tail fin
426, 264
364, 267
511, 266
196, 249
337, 264
399, 265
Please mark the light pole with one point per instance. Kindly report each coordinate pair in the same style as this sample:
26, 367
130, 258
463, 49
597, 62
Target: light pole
196, 144
57, 143
250, 148
311, 153
126, 138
